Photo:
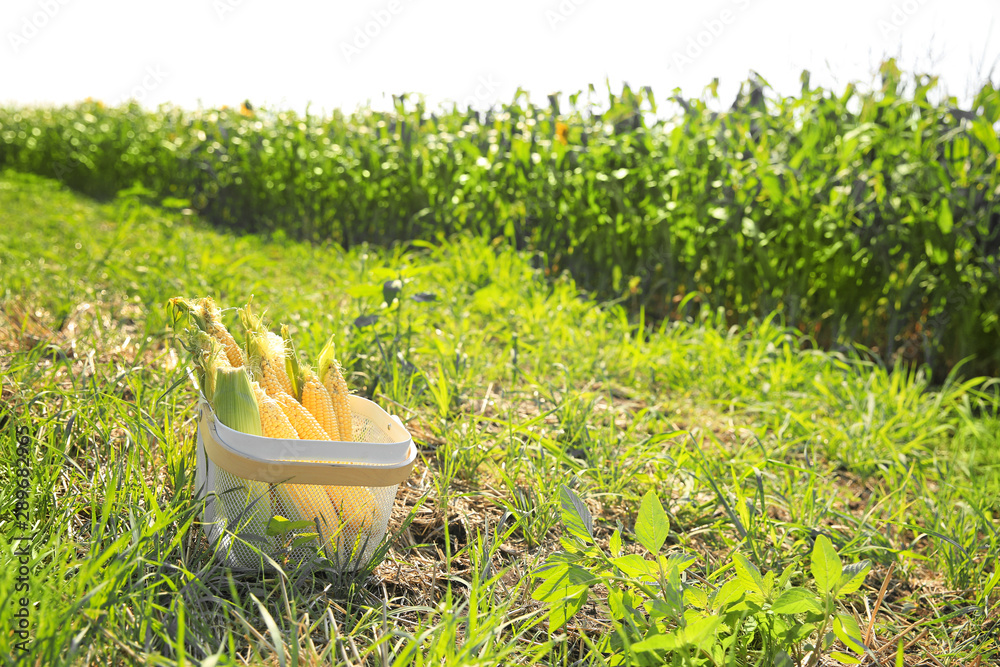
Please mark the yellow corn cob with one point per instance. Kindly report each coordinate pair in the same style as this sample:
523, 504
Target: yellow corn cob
273, 419
308, 502
336, 386
207, 356
355, 506
317, 401
266, 355
208, 317
218, 330
304, 423
274, 379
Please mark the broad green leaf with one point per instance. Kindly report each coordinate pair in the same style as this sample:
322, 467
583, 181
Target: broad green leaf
983, 131
564, 611
782, 659
847, 631
768, 586
796, 601
575, 515
615, 604
728, 594
748, 573
561, 582
852, 577
695, 597
615, 543
676, 561
634, 565
845, 658
652, 526
657, 609
279, 525
825, 566
303, 539
701, 631
653, 643
786, 574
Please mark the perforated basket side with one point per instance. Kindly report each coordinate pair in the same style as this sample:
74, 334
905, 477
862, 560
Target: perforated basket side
238, 512
348, 536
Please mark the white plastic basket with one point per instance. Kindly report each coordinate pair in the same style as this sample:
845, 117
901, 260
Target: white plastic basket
345, 489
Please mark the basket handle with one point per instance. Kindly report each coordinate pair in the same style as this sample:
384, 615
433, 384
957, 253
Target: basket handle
247, 466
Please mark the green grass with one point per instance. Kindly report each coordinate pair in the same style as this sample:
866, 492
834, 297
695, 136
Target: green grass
515, 385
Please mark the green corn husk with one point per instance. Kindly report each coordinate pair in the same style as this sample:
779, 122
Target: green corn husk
327, 358
205, 352
235, 405
292, 366
234, 401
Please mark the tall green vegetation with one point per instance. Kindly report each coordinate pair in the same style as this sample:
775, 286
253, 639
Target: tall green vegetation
858, 216
589, 489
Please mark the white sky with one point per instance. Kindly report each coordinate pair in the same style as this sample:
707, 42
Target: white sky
214, 52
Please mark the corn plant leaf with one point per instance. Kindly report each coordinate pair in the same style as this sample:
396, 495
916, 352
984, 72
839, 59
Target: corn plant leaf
983, 130
945, 220
994, 580
652, 526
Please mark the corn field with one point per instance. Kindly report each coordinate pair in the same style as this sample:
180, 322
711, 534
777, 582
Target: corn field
857, 216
